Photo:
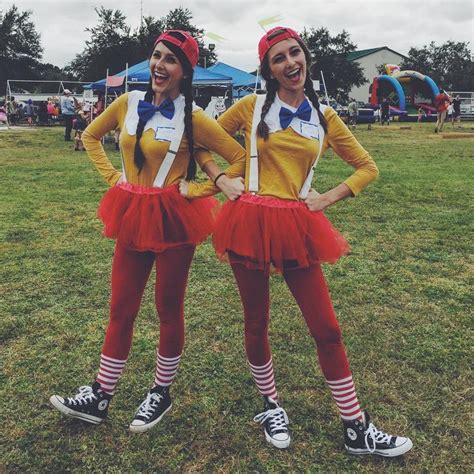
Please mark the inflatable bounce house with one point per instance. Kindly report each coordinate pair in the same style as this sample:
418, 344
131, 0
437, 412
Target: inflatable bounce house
406, 91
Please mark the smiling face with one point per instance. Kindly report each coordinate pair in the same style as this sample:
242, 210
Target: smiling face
287, 64
166, 72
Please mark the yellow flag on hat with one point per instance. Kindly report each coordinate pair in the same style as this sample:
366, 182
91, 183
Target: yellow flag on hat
270, 20
214, 36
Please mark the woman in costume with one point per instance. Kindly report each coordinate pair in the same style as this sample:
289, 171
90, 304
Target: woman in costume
151, 221
279, 225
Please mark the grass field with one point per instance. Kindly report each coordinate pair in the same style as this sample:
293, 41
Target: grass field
402, 298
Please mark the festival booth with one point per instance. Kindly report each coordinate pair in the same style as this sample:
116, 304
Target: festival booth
243, 83
206, 83
406, 91
137, 77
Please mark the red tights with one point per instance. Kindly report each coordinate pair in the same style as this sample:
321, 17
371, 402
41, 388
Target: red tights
130, 273
308, 287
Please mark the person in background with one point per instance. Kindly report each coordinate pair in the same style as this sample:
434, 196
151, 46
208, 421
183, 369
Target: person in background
80, 124
12, 110
3, 114
30, 113
442, 101
51, 111
57, 111
449, 112
353, 111
421, 114
385, 111
43, 113
456, 117
20, 112
67, 111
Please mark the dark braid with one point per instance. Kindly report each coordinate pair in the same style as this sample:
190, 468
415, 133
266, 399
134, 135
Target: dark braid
138, 156
313, 97
272, 87
187, 90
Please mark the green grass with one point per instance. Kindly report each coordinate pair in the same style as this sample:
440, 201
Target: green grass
402, 298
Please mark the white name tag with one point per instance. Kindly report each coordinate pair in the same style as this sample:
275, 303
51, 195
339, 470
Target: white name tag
309, 130
164, 134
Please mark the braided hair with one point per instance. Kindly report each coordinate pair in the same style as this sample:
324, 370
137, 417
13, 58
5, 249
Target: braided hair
138, 157
185, 88
272, 86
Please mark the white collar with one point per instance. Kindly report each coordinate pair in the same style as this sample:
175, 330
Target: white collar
282, 103
305, 129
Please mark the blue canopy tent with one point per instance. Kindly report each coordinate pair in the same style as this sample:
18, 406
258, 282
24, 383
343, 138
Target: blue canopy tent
243, 83
139, 75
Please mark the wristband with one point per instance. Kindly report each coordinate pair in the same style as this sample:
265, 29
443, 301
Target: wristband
217, 177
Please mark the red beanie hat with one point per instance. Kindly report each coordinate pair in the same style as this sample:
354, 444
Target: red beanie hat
274, 36
188, 45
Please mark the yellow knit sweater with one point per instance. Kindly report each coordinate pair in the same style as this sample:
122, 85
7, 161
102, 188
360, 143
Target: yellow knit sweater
207, 134
286, 157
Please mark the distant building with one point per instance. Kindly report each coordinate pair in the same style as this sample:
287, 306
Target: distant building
369, 59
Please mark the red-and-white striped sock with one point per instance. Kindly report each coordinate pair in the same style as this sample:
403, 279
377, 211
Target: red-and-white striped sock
345, 395
110, 371
166, 369
264, 379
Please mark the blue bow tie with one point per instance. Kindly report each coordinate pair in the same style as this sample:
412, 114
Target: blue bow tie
303, 112
146, 110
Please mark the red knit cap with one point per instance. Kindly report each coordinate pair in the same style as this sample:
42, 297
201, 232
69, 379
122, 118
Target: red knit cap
271, 37
188, 45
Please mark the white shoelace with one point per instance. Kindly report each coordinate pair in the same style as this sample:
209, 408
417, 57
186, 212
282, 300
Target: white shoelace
85, 395
149, 404
278, 419
377, 436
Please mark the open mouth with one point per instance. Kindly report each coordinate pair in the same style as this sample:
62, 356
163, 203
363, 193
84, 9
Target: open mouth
294, 75
159, 78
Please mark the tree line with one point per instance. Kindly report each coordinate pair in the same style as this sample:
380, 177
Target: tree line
113, 43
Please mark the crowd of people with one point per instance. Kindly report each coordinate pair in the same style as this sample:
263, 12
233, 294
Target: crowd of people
68, 110
44, 113
55, 110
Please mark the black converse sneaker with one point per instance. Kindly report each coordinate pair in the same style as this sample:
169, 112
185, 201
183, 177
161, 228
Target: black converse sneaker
89, 404
275, 423
152, 409
362, 437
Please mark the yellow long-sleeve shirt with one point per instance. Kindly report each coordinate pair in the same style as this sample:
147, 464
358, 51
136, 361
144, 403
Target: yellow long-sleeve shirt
206, 132
286, 157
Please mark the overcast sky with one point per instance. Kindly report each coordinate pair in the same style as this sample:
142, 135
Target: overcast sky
397, 24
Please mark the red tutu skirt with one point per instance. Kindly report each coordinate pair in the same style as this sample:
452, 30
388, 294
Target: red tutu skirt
156, 219
267, 234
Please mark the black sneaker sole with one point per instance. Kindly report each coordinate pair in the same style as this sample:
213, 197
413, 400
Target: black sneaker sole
387, 453
148, 426
95, 420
